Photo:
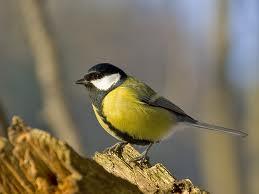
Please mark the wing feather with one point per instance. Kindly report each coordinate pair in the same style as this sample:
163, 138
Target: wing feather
159, 101
150, 97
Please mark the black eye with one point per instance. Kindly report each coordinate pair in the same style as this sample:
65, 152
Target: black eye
93, 76
98, 76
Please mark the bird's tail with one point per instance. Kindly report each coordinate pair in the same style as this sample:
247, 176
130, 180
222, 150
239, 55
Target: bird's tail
202, 125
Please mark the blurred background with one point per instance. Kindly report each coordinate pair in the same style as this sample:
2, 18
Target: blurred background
201, 54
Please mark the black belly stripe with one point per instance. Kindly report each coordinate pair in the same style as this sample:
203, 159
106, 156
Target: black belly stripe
125, 136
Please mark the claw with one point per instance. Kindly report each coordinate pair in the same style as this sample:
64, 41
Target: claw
116, 149
142, 159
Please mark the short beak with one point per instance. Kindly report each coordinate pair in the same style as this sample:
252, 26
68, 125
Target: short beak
81, 81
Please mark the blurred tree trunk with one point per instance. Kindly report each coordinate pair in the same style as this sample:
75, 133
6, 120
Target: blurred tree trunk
218, 151
48, 73
206, 64
3, 122
252, 123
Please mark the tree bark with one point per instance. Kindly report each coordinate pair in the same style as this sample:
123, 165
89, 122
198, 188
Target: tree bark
32, 161
252, 146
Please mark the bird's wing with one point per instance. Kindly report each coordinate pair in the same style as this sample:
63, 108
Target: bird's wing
159, 101
148, 96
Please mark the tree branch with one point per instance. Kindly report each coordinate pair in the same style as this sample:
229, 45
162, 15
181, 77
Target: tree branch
32, 161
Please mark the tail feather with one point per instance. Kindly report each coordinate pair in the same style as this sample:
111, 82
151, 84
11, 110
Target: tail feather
217, 128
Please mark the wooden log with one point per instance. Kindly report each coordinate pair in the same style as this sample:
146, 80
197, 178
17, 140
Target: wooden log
32, 161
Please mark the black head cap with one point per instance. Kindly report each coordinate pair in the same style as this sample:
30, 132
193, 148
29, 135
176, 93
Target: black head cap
106, 69
99, 71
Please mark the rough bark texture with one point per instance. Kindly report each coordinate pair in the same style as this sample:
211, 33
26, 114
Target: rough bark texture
32, 161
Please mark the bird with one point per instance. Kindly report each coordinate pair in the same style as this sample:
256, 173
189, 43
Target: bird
132, 112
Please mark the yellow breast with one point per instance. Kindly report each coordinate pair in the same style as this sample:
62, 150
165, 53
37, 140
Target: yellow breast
104, 125
139, 120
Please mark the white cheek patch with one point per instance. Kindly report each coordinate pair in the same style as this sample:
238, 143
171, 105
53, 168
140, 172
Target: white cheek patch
106, 82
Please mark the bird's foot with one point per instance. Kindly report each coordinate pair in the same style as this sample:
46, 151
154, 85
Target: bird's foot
142, 159
116, 149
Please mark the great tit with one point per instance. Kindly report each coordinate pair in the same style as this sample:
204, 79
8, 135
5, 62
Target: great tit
132, 112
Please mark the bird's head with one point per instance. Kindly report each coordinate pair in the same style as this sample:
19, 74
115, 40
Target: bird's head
103, 77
